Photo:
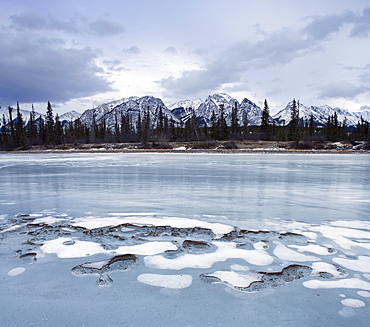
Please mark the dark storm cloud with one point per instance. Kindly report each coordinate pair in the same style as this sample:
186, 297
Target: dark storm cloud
277, 48
342, 89
322, 27
33, 20
103, 27
43, 69
362, 25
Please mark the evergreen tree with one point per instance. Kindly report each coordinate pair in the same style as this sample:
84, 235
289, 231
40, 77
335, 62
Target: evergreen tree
214, 127
20, 131
58, 131
4, 133
222, 126
245, 121
265, 120
311, 126
11, 124
234, 121
139, 127
42, 133
32, 128
49, 125
294, 122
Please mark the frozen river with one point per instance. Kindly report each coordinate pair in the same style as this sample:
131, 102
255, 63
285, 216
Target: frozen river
184, 239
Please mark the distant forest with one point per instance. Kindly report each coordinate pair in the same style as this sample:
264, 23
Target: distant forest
49, 131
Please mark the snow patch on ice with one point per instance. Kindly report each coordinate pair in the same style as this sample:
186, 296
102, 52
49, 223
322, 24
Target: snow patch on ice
224, 252
364, 293
141, 220
79, 249
235, 279
16, 271
313, 248
9, 229
342, 283
48, 220
283, 253
342, 236
353, 303
324, 267
166, 281
362, 264
239, 267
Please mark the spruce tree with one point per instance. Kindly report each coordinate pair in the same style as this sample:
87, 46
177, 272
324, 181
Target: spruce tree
32, 128
311, 126
49, 125
20, 132
58, 131
294, 121
222, 126
11, 124
265, 119
234, 120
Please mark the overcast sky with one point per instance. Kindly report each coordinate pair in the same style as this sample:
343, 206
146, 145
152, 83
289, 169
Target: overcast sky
78, 54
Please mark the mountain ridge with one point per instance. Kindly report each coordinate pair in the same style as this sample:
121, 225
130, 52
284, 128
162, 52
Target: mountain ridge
247, 111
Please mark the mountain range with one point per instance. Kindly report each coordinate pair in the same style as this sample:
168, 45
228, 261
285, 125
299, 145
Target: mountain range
64, 118
247, 112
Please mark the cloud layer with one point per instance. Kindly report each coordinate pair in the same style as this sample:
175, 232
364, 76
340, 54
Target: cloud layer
277, 48
83, 52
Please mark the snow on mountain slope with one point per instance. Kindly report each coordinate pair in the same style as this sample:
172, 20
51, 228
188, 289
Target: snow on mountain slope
69, 116
184, 109
4, 113
212, 105
320, 115
133, 106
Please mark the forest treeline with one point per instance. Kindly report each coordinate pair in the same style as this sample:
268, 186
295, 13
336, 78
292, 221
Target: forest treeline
49, 131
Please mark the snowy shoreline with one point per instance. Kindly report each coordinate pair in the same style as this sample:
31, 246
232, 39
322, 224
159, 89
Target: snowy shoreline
204, 147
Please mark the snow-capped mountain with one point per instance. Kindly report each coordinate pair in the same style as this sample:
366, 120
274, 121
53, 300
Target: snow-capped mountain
4, 113
112, 111
69, 116
203, 110
250, 113
320, 115
185, 108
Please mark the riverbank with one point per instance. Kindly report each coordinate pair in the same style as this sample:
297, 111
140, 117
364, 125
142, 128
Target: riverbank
207, 146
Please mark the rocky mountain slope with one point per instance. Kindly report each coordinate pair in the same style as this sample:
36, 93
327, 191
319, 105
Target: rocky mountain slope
112, 112
320, 115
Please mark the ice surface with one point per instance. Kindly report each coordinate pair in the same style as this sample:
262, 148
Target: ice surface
160, 236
